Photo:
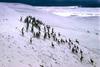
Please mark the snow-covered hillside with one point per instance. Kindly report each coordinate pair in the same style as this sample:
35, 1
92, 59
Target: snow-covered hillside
17, 51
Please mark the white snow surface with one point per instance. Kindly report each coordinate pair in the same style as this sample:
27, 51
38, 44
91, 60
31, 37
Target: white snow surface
16, 51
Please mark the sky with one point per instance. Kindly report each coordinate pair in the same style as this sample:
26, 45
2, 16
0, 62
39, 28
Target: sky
85, 3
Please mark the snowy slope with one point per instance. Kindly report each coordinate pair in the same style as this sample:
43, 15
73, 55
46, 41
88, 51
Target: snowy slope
16, 51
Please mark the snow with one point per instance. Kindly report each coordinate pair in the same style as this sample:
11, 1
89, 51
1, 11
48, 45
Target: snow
73, 11
16, 50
